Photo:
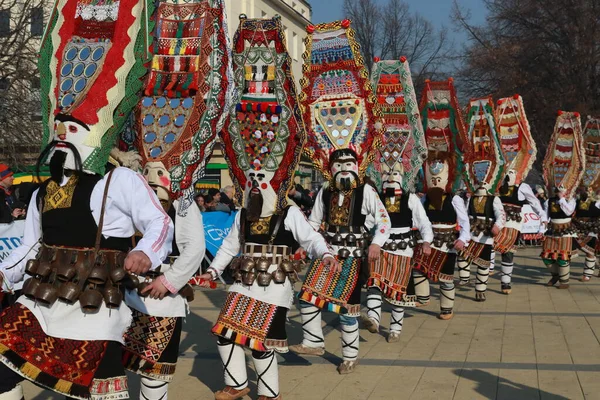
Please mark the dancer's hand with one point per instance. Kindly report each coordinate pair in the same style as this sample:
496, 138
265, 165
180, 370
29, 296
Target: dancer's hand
495, 230
156, 289
331, 263
426, 248
459, 245
205, 280
137, 263
374, 252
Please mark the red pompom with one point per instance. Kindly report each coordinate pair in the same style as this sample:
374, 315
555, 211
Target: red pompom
346, 24
357, 102
310, 28
402, 59
427, 80
516, 97
376, 59
576, 114
560, 112
333, 104
500, 101
451, 79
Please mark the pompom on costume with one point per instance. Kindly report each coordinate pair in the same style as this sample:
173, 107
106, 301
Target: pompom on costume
263, 140
520, 152
400, 160
444, 168
564, 167
484, 168
342, 119
65, 334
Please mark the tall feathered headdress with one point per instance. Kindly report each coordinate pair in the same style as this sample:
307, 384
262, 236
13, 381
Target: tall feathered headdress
91, 63
444, 131
265, 130
591, 140
564, 163
404, 137
186, 91
484, 166
338, 104
515, 137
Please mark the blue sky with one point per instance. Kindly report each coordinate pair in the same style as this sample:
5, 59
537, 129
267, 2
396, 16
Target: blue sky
437, 11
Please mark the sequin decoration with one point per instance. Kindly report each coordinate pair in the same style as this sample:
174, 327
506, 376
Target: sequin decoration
258, 130
82, 59
339, 120
330, 47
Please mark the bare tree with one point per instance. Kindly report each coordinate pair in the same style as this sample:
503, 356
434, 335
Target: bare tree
391, 30
546, 50
21, 28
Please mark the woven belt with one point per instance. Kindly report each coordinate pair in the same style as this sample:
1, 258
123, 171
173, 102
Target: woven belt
275, 254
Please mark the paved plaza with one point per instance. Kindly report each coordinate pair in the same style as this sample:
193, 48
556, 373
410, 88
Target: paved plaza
537, 343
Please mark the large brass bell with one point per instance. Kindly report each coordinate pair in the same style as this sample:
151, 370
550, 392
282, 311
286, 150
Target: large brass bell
337, 239
32, 266
358, 253
90, 301
344, 253
237, 275
141, 288
30, 287
65, 272
297, 265
402, 245
117, 275
287, 266
249, 278
393, 246
236, 263
69, 292
263, 264
263, 279
413, 243
46, 294
350, 240
438, 243
44, 269
247, 265
279, 276
98, 275
360, 243
112, 297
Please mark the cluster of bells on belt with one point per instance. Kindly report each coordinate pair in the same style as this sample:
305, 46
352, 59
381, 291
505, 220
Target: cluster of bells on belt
349, 241
514, 216
48, 285
248, 270
401, 245
444, 238
587, 226
479, 226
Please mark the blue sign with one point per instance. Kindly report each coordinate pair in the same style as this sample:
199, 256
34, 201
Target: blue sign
217, 225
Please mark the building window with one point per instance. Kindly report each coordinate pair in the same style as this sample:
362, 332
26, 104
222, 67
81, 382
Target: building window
4, 23
37, 21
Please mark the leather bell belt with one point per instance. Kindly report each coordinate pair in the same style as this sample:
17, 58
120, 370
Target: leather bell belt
445, 236
76, 274
187, 291
248, 270
560, 229
513, 212
480, 225
400, 241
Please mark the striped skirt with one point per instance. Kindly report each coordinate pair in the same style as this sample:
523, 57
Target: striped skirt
391, 273
438, 266
478, 253
557, 248
506, 239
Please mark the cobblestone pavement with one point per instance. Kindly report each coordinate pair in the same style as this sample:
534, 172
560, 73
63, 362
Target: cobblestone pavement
537, 343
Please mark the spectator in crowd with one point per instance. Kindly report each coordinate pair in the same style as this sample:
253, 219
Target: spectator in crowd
7, 198
301, 197
218, 205
227, 194
200, 202
540, 193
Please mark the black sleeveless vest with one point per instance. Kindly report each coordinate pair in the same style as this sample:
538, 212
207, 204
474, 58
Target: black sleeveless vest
587, 209
401, 217
554, 210
283, 237
356, 219
447, 215
74, 225
512, 197
488, 211
173, 215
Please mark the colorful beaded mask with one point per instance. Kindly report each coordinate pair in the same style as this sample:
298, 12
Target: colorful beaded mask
591, 140
338, 104
564, 163
484, 159
404, 137
264, 139
515, 137
186, 92
445, 136
91, 66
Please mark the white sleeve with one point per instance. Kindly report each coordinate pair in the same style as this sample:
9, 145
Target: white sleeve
373, 206
499, 212
13, 266
534, 202
462, 217
546, 206
309, 239
229, 248
568, 206
420, 219
150, 219
189, 236
316, 214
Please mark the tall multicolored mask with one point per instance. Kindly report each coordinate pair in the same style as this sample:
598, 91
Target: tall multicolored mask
564, 164
91, 72
591, 139
264, 137
404, 137
338, 105
445, 137
484, 159
517, 144
186, 93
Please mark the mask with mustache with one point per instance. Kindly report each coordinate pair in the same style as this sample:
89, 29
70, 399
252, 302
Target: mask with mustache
346, 183
505, 186
58, 159
255, 205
